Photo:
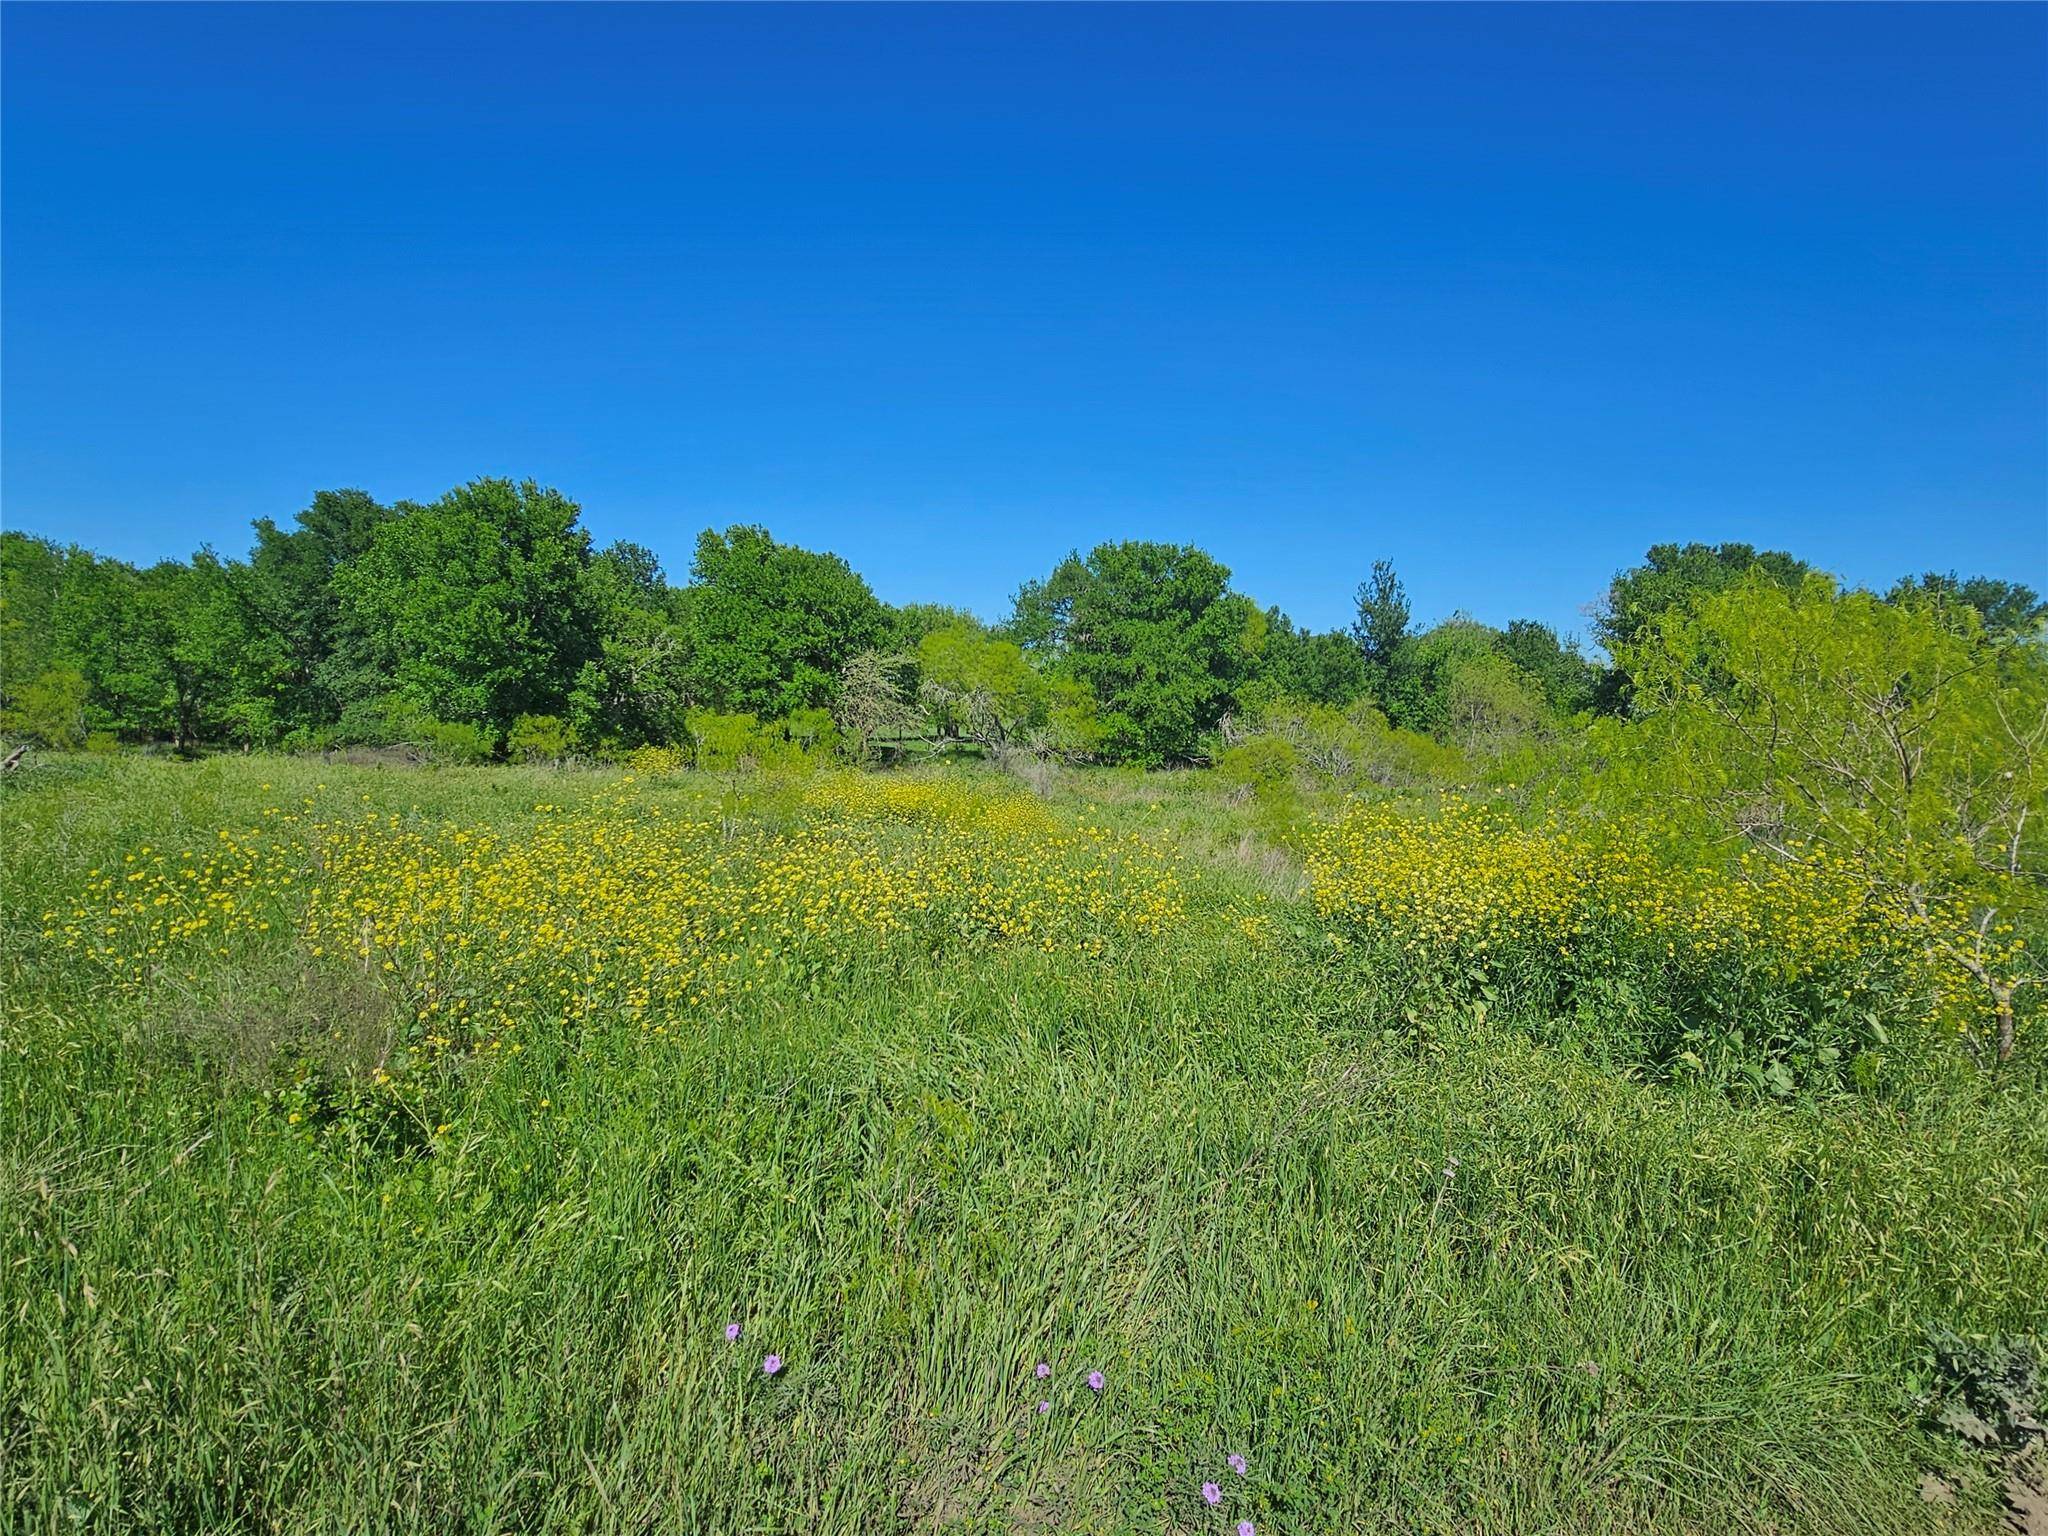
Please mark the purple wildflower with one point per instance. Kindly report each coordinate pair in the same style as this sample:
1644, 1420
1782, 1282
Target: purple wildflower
1095, 1381
1211, 1494
1246, 1528
1236, 1464
732, 1333
1045, 1405
771, 1365
1042, 1370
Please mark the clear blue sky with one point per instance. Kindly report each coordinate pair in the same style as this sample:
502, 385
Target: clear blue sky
1504, 295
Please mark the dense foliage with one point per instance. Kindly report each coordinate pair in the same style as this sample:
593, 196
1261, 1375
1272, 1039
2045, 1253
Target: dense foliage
485, 624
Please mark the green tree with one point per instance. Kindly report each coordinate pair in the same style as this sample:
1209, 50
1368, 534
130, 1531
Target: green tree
1297, 663
1568, 680
62, 606
1672, 577
725, 743
1423, 668
1491, 706
292, 596
230, 665
636, 689
873, 702
49, 708
768, 626
1155, 636
2002, 607
1382, 622
477, 607
537, 739
977, 687
910, 623
1885, 739
32, 575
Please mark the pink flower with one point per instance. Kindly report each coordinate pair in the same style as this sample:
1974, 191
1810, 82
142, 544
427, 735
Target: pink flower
1211, 1494
1236, 1464
1042, 1370
1045, 1405
1246, 1528
771, 1365
1095, 1381
732, 1333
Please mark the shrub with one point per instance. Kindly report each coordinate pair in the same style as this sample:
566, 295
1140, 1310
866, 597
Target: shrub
1355, 748
453, 741
1265, 765
50, 709
654, 761
397, 721
1899, 743
812, 732
722, 743
537, 739
306, 739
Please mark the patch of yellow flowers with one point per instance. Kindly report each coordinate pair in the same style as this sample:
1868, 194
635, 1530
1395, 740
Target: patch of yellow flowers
620, 904
1475, 878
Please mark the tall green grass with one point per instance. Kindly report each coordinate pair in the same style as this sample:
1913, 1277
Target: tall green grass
1436, 1281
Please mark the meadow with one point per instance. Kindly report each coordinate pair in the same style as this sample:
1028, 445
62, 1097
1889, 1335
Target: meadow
509, 1149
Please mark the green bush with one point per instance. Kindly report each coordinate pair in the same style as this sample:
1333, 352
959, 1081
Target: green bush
1355, 749
50, 709
454, 741
1266, 765
397, 721
724, 743
537, 739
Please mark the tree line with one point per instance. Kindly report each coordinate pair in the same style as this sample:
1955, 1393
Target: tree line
487, 624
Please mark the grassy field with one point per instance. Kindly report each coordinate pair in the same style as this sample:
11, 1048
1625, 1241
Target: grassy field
390, 1149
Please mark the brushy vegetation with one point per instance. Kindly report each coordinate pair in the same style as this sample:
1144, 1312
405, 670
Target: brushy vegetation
394, 1149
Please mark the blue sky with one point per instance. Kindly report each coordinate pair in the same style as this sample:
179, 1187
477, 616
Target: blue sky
1501, 294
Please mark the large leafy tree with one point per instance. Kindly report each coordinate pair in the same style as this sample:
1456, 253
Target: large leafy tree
291, 593
68, 610
910, 623
1672, 578
34, 575
982, 688
1153, 633
636, 688
1567, 679
231, 666
1423, 671
769, 626
476, 608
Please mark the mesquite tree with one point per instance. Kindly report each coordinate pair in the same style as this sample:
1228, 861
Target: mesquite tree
1896, 739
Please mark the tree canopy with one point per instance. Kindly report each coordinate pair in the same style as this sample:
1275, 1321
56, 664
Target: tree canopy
486, 622
478, 608
768, 626
1153, 633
